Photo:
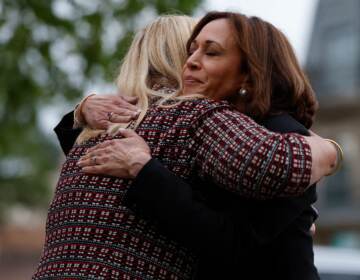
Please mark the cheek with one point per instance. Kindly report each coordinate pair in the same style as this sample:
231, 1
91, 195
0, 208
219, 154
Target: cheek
233, 80
216, 74
222, 80
227, 84
215, 86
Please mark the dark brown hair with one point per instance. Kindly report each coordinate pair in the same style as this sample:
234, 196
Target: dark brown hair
273, 76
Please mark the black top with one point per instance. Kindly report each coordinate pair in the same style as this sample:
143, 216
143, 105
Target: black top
236, 238
65, 132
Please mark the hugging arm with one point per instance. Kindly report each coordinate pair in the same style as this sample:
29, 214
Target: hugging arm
243, 157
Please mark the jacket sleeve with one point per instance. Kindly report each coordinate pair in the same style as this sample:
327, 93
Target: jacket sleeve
65, 132
236, 153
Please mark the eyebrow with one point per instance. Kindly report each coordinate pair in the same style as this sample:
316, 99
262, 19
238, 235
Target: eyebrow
209, 42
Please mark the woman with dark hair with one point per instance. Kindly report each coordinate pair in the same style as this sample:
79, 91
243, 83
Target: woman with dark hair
226, 148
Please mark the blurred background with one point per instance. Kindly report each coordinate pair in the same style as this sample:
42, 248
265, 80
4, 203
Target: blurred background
53, 52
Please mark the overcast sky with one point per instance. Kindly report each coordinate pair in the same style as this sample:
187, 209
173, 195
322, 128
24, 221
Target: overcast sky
294, 17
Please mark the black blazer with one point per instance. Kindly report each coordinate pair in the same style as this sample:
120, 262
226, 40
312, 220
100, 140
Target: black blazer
235, 238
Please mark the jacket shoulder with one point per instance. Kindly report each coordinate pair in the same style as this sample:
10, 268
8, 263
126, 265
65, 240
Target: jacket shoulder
199, 107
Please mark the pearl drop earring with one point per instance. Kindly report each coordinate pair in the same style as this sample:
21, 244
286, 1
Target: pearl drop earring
242, 92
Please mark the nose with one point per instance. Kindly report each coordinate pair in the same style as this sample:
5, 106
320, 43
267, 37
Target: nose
193, 62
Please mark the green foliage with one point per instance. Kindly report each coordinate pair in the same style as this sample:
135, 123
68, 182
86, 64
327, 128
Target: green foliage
50, 50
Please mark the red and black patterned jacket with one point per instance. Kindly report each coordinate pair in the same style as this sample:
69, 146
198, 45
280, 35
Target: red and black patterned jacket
90, 233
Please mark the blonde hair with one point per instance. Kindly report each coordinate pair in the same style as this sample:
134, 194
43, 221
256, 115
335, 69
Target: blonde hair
156, 57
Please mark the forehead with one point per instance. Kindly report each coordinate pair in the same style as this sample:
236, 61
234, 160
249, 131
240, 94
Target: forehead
218, 30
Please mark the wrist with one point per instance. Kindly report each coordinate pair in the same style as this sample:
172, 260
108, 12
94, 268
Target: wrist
138, 163
339, 156
79, 120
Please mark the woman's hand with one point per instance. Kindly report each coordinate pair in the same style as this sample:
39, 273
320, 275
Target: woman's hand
119, 157
100, 111
325, 157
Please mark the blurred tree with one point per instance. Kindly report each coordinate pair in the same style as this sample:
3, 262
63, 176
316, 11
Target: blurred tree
49, 50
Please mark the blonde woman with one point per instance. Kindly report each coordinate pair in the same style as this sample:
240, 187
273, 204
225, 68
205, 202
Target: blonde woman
91, 233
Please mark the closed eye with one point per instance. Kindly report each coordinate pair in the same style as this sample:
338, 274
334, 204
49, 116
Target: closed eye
212, 53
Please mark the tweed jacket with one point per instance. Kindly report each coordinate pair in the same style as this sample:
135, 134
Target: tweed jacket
91, 233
